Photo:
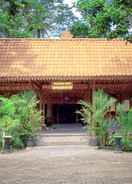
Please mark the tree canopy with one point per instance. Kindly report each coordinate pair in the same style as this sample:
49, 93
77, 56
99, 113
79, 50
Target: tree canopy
103, 18
20, 18
60, 16
33, 18
42, 18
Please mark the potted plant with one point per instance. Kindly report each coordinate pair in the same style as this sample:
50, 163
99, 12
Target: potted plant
124, 119
19, 120
93, 115
7, 122
29, 117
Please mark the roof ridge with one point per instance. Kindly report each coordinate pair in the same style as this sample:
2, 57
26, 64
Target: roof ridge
58, 39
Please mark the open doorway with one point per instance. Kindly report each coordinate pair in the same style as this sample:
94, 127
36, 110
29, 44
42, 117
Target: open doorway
66, 113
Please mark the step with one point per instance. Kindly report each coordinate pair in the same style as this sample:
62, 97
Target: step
62, 139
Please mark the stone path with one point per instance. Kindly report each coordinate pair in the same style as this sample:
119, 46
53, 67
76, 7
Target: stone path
71, 164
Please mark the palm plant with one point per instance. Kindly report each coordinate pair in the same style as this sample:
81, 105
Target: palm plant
8, 122
93, 114
28, 114
27, 111
124, 119
19, 118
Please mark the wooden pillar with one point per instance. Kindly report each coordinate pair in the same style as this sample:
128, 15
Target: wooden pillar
49, 113
87, 95
42, 103
49, 110
41, 109
57, 118
92, 133
44, 115
92, 89
37, 88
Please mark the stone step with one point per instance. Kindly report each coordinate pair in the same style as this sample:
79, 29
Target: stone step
62, 139
62, 134
61, 143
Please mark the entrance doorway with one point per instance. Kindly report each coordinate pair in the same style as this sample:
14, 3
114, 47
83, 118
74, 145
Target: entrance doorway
66, 113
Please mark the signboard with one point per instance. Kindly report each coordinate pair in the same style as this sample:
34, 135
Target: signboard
62, 86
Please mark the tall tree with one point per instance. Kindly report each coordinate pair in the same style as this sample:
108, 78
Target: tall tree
60, 17
103, 18
34, 18
21, 18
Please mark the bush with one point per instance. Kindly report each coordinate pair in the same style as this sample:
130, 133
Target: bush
93, 114
19, 117
124, 120
107, 128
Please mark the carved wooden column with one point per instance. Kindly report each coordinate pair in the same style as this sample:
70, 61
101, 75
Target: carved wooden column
37, 88
43, 102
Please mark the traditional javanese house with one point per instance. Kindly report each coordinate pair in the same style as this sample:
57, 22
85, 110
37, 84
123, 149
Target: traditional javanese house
63, 71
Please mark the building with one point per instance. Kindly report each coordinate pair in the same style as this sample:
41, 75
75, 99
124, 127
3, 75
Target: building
63, 71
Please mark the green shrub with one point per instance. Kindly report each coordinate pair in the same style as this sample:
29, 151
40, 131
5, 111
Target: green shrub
93, 114
19, 117
127, 144
124, 120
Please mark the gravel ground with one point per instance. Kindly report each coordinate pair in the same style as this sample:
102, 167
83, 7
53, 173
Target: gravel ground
74, 164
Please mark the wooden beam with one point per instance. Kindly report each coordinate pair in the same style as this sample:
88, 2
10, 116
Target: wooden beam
15, 86
36, 85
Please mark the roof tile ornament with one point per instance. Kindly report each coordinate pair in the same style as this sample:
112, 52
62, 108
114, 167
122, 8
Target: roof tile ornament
66, 35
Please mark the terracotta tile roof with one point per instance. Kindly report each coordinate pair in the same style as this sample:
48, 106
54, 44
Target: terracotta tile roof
70, 58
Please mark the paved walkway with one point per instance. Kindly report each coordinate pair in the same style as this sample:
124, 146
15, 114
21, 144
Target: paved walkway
73, 164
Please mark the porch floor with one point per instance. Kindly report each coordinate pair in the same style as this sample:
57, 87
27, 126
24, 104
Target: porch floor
66, 128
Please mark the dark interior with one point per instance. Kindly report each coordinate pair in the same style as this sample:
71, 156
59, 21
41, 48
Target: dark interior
66, 113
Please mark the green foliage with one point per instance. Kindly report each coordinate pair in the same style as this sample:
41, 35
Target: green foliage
124, 118
19, 117
105, 18
59, 17
93, 114
79, 29
33, 18
125, 121
7, 112
21, 18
